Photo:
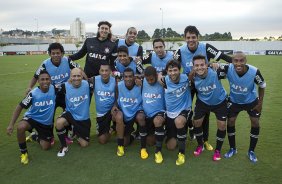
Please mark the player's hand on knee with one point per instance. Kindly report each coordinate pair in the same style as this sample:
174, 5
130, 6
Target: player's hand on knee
258, 107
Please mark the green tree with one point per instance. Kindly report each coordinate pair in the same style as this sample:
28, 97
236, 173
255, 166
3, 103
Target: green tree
171, 34
142, 35
163, 33
157, 33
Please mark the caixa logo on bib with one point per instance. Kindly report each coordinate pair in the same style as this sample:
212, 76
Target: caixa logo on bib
273, 52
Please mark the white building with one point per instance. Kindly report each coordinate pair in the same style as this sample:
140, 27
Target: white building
77, 29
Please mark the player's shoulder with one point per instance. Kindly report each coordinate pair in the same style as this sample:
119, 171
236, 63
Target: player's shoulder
48, 60
252, 67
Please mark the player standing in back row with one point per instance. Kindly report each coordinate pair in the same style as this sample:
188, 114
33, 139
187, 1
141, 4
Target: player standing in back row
185, 55
99, 50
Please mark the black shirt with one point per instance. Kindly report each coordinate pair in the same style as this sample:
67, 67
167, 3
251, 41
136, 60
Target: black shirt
98, 52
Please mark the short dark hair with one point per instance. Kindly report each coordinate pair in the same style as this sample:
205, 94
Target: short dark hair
105, 23
56, 45
158, 40
130, 28
238, 52
150, 71
122, 49
43, 72
198, 57
173, 63
191, 29
129, 70
106, 64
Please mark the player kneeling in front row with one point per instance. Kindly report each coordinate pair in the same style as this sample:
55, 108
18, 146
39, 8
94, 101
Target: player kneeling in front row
211, 97
77, 93
243, 96
104, 92
154, 108
128, 110
41, 101
178, 103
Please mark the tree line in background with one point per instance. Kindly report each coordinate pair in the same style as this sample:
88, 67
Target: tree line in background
15, 32
171, 35
168, 34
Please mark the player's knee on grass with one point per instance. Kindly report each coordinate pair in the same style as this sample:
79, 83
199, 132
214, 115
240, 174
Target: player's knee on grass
171, 144
83, 143
103, 139
45, 145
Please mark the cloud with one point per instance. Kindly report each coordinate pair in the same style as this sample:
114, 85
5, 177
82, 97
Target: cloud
240, 17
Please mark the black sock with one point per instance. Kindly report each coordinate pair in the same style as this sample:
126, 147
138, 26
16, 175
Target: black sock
205, 125
62, 134
231, 136
181, 137
120, 142
199, 135
191, 128
23, 148
220, 135
159, 134
253, 138
143, 135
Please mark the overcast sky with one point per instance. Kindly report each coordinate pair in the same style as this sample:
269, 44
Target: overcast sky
247, 18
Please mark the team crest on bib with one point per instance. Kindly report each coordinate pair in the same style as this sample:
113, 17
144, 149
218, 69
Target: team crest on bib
107, 50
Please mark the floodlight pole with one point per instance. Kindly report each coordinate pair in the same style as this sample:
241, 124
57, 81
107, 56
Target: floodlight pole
162, 21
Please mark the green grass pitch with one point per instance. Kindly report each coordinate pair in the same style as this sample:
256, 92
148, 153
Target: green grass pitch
99, 163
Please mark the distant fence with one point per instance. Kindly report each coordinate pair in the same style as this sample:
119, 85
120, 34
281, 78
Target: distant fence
228, 52
30, 53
